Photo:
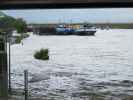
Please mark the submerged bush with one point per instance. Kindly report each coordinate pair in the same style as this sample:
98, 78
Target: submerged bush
18, 39
25, 35
43, 54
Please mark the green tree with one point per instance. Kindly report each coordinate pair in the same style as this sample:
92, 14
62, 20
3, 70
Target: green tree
6, 21
20, 25
9, 23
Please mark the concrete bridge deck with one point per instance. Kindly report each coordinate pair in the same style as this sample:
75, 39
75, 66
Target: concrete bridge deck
9, 4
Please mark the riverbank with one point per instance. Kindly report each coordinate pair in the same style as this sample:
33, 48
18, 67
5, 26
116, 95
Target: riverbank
18, 37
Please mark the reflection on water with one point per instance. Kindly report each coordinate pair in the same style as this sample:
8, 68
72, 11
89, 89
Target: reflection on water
79, 66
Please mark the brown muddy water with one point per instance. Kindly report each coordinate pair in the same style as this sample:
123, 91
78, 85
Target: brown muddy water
96, 67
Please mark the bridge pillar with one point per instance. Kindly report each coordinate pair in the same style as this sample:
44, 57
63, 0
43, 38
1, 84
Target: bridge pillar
3, 68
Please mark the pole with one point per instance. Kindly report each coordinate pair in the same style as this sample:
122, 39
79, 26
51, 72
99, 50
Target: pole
3, 68
26, 84
9, 69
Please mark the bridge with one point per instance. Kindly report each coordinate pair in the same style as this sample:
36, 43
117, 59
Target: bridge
25, 4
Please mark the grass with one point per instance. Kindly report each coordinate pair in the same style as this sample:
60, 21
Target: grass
42, 54
116, 25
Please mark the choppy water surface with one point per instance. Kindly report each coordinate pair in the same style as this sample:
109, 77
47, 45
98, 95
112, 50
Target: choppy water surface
78, 65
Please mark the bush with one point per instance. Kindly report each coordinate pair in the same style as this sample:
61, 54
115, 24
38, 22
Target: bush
25, 35
43, 54
18, 39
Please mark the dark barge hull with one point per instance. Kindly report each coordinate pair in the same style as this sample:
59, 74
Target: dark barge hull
84, 33
80, 33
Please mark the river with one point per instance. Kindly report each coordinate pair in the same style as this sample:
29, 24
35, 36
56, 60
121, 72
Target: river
78, 65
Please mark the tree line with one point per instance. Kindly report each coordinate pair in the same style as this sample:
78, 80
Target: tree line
8, 23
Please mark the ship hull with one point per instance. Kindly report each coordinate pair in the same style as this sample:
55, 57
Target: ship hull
86, 33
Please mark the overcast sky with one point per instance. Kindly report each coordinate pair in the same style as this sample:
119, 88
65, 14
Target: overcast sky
106, 15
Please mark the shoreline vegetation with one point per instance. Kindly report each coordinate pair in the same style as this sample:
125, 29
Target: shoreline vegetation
18, 39
11, 26
116, 25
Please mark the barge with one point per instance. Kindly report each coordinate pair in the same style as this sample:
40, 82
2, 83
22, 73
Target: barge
83, 30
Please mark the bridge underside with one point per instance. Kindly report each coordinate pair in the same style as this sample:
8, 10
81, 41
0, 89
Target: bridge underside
24, 4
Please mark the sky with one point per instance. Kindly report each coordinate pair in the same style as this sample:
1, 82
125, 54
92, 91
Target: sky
104, 15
